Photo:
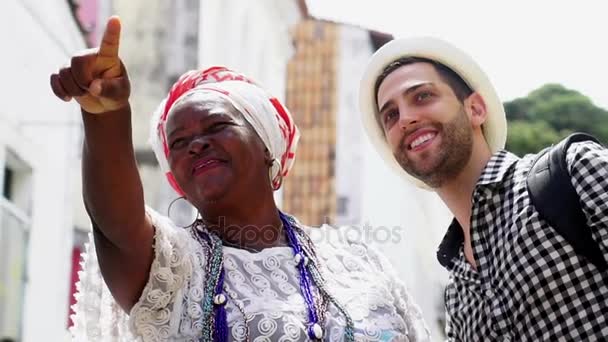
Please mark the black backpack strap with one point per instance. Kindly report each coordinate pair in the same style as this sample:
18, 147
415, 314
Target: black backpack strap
554, 197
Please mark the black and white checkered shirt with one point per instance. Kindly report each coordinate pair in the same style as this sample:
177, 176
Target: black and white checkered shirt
530, 285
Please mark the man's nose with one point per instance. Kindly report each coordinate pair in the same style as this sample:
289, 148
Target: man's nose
407, 117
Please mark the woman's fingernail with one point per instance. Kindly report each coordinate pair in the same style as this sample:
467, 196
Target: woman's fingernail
95, 88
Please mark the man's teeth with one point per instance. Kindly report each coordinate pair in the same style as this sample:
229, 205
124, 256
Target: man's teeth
422, 139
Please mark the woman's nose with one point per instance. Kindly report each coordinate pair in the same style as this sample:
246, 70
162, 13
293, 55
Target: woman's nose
198, 145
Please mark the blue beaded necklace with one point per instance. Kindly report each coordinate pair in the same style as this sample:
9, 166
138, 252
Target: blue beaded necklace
215, 325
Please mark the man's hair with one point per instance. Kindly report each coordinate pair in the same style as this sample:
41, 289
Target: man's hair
460, 88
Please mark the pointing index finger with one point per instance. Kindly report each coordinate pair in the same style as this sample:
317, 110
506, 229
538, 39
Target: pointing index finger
111, 38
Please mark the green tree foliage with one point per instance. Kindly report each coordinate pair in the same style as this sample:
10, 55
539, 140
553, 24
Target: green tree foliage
530, 137
550, 113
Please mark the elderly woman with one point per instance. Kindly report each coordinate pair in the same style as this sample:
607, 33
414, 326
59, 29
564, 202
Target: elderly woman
243, 271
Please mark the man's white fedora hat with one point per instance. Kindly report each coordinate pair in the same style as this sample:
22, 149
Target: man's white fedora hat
495, 126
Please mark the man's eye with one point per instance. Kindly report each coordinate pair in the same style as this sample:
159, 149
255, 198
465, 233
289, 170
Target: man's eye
422, 96
389, 116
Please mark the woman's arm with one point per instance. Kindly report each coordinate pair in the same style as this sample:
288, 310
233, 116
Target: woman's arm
112, 189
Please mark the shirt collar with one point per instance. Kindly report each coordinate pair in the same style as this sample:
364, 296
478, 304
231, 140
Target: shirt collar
450, 245
494, 172
497, 167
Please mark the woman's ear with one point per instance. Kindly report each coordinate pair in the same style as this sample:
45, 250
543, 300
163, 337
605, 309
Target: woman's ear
476, 107
267, 157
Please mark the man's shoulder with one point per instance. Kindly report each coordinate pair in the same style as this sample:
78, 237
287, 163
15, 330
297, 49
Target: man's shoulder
583, 153
514, 171
581, 158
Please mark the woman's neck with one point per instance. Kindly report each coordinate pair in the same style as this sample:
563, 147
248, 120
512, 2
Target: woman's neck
254, 226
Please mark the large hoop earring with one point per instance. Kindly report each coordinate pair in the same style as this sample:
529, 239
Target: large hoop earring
196, 219
275, 185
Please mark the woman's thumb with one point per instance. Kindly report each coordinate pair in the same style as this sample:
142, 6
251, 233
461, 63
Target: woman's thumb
116, 89
95, 87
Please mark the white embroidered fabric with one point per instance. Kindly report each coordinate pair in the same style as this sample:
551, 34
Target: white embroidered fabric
266, 284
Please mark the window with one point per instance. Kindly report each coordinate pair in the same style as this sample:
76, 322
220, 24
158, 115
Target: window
342, 209
14, 231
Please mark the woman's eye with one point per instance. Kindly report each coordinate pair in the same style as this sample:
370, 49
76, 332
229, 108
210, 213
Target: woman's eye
218, 126
178, 143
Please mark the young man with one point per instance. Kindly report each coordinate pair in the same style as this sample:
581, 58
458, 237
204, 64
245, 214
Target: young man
434, 117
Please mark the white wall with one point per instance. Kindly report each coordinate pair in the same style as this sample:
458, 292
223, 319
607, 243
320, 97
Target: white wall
37, 38
406, 223
354, 50
252, 37
249, 36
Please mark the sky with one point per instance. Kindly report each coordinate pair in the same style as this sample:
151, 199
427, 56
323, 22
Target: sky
520, 44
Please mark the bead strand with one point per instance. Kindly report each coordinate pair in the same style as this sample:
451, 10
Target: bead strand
315, 332
215, 325
241, 309
349, 330
221, 321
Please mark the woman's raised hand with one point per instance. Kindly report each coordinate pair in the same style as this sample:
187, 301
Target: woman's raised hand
96, 78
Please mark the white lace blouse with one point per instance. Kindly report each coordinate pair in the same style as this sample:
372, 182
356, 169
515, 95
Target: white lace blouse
266, 284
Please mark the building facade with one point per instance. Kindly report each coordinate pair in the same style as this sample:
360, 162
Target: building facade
39, 151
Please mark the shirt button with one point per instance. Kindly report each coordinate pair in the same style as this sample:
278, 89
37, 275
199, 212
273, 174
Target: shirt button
489, 293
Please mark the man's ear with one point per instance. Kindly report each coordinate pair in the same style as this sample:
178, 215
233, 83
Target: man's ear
476, 108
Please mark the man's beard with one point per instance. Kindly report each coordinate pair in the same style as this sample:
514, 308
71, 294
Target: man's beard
451, 157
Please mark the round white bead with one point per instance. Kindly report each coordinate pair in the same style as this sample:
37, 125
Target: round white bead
317, 331
219, 299
306, 260
297, 259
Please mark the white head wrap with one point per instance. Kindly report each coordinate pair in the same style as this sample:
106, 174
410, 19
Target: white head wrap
268, 117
